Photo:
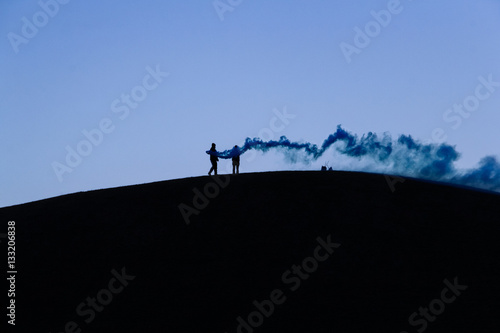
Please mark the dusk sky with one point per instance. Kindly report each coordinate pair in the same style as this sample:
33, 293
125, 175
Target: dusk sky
99, 94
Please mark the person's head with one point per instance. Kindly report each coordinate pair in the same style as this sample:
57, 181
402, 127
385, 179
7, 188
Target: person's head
236, 147
213, 145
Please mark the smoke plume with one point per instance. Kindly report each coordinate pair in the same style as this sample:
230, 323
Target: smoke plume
404, 157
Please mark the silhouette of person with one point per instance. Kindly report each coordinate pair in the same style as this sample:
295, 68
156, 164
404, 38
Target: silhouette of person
213, 160
236, 161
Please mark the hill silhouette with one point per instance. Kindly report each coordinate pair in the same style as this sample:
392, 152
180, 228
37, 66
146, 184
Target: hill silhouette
266, 252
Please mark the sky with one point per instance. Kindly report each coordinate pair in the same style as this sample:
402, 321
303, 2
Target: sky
100, 94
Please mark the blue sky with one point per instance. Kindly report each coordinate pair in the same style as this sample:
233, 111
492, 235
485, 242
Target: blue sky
197, 72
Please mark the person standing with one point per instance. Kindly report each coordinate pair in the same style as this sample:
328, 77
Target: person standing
236, 161
213, 160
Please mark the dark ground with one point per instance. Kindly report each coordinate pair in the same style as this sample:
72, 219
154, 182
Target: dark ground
396, 249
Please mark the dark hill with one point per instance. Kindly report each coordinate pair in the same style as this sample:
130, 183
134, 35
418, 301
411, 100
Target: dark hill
395, 252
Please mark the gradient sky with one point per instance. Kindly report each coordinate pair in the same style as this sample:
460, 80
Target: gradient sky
230, 71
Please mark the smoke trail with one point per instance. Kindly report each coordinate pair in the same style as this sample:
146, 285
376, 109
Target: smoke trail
487, 176
404, 157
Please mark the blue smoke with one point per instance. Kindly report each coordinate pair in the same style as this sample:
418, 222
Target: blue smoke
403, 157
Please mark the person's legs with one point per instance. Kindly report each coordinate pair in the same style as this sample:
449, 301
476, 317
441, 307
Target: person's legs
233, 168
213, 168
